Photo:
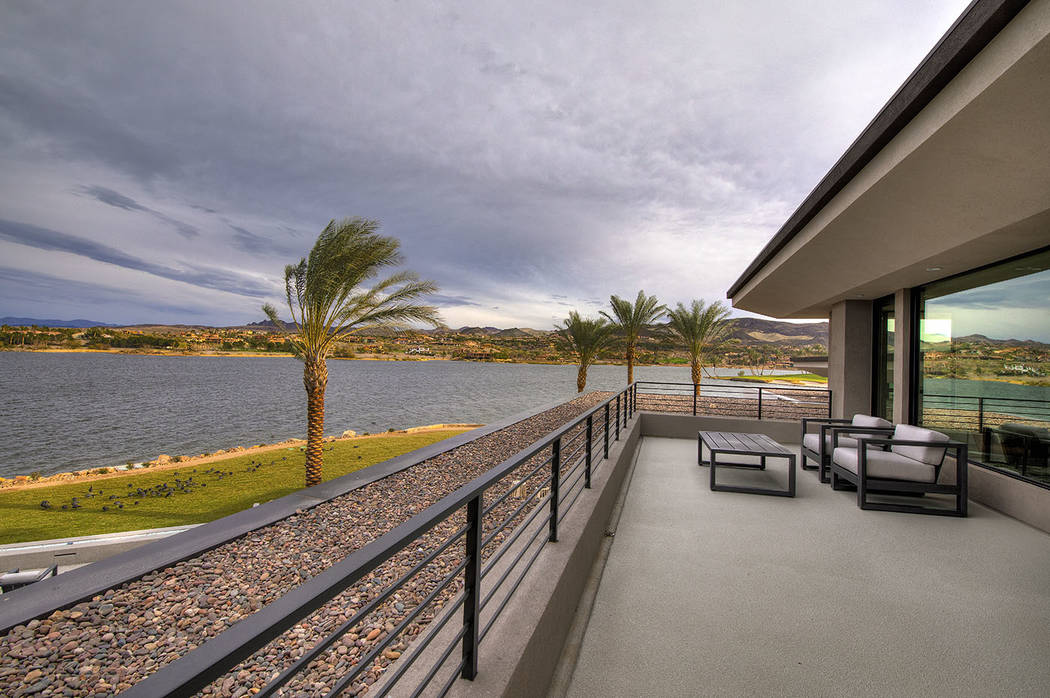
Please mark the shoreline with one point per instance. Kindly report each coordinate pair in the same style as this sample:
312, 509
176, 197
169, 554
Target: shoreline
165, 462
369, 357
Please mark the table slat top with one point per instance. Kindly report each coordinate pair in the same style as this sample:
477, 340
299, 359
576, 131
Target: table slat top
739, 442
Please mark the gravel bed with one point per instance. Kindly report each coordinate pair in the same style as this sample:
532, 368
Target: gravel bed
105, 645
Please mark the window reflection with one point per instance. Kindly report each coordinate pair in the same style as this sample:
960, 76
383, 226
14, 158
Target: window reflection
984, 363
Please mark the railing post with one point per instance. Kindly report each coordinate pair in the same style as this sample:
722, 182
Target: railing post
587, 466
980, 415
618, 416
694, 398
555, 486
760, 403
472, 590
829, 404
607, 430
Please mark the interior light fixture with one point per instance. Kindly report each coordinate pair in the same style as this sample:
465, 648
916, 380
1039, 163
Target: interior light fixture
933, 268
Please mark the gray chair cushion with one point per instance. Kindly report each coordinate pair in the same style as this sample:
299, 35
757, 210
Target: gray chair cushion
1031, 430
812, 442
886, 465
866, 420
930, 455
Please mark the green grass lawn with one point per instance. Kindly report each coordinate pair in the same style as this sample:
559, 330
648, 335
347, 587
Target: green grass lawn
792, 377
217, 489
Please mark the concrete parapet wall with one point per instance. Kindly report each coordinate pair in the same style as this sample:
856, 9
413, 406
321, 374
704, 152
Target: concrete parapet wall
1015, 498
686, 426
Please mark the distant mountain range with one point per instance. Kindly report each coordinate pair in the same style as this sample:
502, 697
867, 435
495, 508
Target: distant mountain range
981, 339
747, 330
750, 330
29, 322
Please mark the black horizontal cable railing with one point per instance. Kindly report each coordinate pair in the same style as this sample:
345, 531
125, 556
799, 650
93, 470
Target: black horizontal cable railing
754, 402
975, 413
461, 559
1009, 434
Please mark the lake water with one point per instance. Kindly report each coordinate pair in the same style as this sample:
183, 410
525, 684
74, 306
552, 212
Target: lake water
61, 412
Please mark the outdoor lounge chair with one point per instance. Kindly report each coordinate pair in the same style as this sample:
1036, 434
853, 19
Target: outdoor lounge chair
1024, 445
819, 446
911, 466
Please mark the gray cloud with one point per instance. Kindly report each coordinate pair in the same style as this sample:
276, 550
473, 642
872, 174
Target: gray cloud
205, 277
1029, 291
118, 200
573, 152
278, 244
446, 301
21, 289
78, 128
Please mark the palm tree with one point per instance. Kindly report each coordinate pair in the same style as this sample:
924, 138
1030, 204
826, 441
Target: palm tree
586, 338
631, 319
701, 328
327, 300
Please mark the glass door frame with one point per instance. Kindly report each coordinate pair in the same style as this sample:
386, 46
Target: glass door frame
883, 309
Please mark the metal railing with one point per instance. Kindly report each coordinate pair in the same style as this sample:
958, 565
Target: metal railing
466, 554
974, 413
1007, 434
754, 402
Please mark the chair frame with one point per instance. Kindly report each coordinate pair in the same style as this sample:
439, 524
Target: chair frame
823, 459
866, 485
835, 427
1031, 441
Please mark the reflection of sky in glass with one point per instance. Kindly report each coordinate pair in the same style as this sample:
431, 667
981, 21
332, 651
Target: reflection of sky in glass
1014, 309
935, 329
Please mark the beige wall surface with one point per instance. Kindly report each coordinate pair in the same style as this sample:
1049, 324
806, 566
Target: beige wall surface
849, 358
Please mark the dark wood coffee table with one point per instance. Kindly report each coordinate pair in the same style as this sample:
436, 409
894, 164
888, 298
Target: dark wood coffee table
743, 444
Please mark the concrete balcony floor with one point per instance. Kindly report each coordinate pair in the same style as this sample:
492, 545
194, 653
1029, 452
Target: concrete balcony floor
717, 593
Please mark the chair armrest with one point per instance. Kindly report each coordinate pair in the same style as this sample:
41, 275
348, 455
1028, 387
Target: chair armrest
836, 430
806, 421
955, 445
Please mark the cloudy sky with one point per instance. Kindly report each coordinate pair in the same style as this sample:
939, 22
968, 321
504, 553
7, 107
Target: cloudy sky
163, 161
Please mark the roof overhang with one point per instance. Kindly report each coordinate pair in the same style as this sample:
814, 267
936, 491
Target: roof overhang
952, 174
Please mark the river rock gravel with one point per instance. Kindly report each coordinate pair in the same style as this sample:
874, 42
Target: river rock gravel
106, 644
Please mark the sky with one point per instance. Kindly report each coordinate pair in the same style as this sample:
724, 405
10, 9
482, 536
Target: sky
162, 162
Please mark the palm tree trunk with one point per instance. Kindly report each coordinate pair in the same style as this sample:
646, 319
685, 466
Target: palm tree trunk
697, 375
315, 379
630, 364
581, 378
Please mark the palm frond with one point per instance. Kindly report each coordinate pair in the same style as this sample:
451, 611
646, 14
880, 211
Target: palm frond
699, 326
632, 318
585, 337
326, 294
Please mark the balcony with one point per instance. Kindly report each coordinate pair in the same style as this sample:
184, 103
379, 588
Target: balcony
710, 593
511, 584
